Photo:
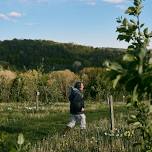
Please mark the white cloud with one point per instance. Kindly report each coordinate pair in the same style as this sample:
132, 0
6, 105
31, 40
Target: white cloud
3, 17
122, 7
10, 16
121, 4
15, 14
114, 1
89, 2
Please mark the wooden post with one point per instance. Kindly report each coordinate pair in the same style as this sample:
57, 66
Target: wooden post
111, 113
112, 126
37, 100
108, 100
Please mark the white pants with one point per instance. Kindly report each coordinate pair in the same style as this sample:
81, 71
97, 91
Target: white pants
80, 118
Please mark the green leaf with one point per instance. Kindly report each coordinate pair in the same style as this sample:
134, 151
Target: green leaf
140, 69
138, 10
137, 124
146, 42
146, 31
121, 29
142, 53
119, 19
129, 104
116, 67
129, 57
130, 11
106, 64
131, 47
135, 94
133, 21
116, 81
124, 37
133, 117
121, 37
141, 25
125, 22
137, 2
151, 110
20, 139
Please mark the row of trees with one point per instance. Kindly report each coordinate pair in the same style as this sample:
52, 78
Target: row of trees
54, 86
30, 54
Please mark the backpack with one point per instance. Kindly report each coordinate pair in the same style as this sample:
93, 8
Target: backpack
72, 94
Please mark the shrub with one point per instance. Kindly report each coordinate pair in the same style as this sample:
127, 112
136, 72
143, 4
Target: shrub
63, 80
6, 79
25, 86
50, 90
98, 86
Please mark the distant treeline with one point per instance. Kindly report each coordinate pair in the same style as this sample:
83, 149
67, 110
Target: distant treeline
31, 54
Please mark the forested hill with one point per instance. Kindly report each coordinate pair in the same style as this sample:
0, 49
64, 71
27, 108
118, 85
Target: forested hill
29, 54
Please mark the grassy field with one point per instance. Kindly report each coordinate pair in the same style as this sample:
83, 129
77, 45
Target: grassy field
43, 128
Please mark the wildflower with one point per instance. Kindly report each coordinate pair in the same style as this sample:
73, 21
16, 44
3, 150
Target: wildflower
112, 134
9, 108
127, 134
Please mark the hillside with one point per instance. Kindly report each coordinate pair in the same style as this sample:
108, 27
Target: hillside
29, 54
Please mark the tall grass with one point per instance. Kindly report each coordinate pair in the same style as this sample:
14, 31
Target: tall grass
43, 129
95, 139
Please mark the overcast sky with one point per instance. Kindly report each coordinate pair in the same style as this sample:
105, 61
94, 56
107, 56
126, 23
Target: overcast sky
87, 22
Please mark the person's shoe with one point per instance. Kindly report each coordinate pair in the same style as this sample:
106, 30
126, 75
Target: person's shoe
65, 131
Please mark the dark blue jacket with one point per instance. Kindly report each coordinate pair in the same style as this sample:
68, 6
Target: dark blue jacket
76, 101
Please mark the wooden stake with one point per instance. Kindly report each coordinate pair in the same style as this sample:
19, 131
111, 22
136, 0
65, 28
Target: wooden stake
111, 113
37, 100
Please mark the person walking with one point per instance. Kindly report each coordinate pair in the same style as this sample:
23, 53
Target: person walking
76, 107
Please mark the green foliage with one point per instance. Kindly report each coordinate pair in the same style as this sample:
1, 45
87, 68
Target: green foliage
41, 129
23, 87
64, 80
6, 143
50, 90
6, 79
9, 144
21, 146
135, 72
29, 54
89, 78
98, 86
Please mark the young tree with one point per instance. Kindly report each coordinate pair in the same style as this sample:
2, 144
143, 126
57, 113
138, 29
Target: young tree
135, 71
